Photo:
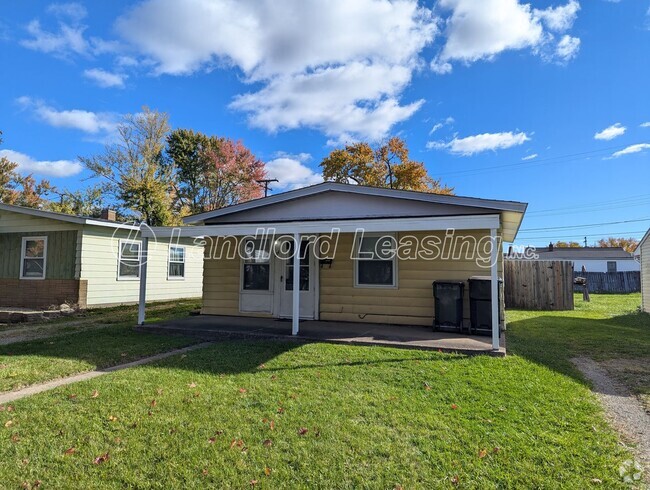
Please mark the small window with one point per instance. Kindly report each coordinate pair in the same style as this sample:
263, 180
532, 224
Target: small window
33, 257
176, 268
257, 265
375, 264
129, 260
611, 266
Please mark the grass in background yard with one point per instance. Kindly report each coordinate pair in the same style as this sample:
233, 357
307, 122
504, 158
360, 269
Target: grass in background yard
107, 339
285, 415
610, 329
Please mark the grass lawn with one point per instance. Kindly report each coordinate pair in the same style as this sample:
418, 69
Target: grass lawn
98, 339
269, 414
609, 330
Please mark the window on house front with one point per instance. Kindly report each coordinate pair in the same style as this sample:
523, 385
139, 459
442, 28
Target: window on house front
33, 257
257, 265
375, 264
176, 266
129, 260
611, 266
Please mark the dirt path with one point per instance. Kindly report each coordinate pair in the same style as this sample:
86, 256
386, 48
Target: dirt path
50, 385
623, 409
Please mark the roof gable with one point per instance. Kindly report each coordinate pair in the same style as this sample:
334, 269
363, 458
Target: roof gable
393, 196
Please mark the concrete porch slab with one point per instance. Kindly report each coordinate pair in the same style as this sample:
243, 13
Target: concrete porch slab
212, 327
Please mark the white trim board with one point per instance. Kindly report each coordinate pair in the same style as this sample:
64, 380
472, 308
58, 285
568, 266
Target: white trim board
437, 223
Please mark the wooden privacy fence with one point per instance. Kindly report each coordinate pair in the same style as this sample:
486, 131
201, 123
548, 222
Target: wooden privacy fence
538, 284
611, 282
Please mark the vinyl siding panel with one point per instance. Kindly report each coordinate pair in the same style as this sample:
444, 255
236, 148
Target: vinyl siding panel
61, 254
645, 276
99, 266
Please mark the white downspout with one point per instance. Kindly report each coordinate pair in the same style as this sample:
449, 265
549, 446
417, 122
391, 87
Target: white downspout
144, 253
295, 316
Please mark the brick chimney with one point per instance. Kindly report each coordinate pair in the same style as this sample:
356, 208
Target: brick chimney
108, 214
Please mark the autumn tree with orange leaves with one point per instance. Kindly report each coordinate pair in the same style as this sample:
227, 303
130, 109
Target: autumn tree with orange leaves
629, 244
386, 165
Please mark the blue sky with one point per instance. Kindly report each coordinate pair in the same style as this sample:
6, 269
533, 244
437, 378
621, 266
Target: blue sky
543, 102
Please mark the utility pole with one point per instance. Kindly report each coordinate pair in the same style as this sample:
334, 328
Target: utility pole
265, 183
585, 242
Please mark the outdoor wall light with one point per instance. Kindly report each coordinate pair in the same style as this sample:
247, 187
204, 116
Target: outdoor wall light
326, 262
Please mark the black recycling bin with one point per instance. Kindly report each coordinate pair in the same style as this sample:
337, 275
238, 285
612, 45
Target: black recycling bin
480, 304
448, 299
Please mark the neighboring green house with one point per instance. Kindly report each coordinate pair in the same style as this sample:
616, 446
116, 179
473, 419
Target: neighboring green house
48, 258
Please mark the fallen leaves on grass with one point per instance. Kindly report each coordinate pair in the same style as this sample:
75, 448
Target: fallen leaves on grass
95, 394
482, 453
427, 386
9, 423
596, 481
496, 449
455, 480
70, 451
72, 396
280, 410
192, 384
268, 443
253, 483
8, 408
204, 472
454, 406
102, 458
303, 431
267, 471
154, 403
112, 418
243, 390
15, 438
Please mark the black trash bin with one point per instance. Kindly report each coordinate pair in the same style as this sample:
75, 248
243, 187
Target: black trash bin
480, 304
448, 299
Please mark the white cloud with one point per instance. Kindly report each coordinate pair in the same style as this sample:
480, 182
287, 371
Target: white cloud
530, 157
105, 78
69, 38
559, 18
631, 149
353, 100
481, 142
610, 132
320, 63
291, 172
82, 120
447, 122
645, 125
567, 48
481, 29
28, 165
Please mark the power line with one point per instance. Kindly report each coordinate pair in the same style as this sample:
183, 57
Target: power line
581, 235
584, 225
534, 163
614, 204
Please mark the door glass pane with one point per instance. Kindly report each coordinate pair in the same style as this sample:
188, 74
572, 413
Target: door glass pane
304, 278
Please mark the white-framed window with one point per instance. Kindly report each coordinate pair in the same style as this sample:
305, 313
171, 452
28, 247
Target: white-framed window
376, 262
256, 269
33, 257
176, 262
128, 263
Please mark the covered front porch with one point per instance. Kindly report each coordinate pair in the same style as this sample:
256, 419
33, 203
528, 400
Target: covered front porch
216, 327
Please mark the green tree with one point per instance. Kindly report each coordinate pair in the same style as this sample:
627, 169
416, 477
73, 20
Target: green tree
387, 165
132, 169
19, 190
85, 202
211, 172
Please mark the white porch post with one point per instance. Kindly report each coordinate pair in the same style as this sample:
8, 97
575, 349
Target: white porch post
143, 280
495, 289
295, 316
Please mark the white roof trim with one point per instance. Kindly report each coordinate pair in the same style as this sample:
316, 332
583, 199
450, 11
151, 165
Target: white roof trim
387, 225
79, 220
645, 237
357, 189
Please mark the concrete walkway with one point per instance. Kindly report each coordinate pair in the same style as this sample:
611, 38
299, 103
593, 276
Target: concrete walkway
50, 385
413, 337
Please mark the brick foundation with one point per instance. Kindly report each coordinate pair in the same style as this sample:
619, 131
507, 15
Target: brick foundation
42, 294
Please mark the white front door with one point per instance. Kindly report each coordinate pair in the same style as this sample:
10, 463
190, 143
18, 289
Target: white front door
284, 280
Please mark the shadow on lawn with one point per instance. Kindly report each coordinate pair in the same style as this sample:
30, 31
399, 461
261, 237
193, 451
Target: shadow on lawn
553, 340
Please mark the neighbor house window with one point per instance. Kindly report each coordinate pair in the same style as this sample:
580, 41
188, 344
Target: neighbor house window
257, 265
375, 264
176, 267
33, 257
611, 266
129, 260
